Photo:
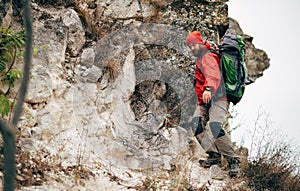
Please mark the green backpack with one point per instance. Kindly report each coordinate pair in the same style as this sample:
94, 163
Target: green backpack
233, 67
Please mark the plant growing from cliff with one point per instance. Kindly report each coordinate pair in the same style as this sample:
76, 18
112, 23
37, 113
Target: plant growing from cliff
275, 164
5, 105
8, 129
11, 44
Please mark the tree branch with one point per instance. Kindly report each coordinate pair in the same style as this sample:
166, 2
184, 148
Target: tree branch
8, 131
26, 70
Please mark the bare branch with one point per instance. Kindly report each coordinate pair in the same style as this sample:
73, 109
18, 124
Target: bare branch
9, 155
8, 131
27, 60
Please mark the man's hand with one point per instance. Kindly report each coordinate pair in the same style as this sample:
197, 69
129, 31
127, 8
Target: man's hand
206, 96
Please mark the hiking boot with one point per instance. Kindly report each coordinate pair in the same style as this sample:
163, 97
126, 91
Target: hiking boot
233, 166
213, 159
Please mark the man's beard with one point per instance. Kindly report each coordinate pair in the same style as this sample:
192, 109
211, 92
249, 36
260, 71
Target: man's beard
197, 53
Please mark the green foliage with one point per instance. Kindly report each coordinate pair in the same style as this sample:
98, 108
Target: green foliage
11, 76
5, 105
11, 44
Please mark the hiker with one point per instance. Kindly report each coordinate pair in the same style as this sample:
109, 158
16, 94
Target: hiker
212, 110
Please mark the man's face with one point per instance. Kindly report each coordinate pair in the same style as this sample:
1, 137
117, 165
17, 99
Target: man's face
196, 49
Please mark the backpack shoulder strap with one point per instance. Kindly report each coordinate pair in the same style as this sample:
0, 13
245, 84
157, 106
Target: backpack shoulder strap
215, 52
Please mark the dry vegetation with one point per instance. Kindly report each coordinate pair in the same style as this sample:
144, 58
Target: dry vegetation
274, 162
276, 169
35, 170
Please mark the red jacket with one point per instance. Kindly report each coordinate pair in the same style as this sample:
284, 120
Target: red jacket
207, 74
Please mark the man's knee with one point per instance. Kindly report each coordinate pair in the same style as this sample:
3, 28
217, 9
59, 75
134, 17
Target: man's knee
216, 129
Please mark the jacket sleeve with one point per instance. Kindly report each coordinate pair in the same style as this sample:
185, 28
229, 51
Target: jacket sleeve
211, 71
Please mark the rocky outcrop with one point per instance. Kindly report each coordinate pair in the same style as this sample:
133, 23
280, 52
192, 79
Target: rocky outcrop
112, 83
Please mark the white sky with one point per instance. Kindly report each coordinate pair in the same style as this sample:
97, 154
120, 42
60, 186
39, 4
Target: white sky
274, 24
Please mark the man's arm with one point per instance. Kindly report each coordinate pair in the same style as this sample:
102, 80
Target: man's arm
211, 71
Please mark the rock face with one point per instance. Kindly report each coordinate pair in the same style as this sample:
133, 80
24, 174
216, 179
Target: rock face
112, 82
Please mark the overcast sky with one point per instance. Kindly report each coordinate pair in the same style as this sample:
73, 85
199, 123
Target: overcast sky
274, 24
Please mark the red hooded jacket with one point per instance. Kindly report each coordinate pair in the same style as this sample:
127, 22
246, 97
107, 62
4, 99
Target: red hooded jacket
207, 68
207, 74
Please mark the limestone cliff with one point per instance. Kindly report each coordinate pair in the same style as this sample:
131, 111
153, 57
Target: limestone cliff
112, 88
